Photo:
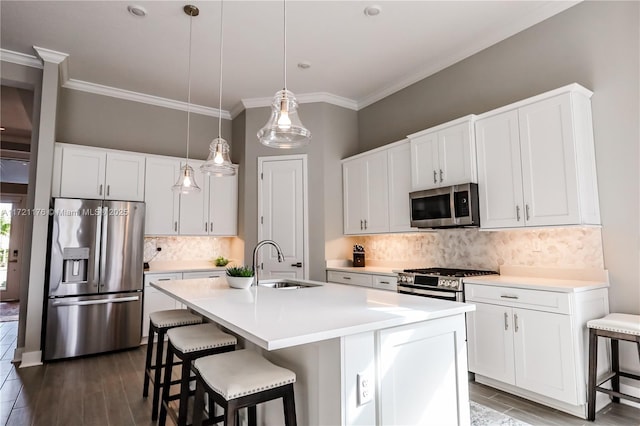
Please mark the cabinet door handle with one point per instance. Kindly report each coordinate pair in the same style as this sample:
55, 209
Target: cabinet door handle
108, 189
441, 175
384, 282
164, 279
175, 226
297, 265
346, 278
506, 321
365, 224
206, 227
526, 211
211, 227
515, 322
361, 225
435, 177
100, 190
508, 296
518, 213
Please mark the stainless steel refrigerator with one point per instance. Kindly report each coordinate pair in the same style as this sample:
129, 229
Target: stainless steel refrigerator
95, 277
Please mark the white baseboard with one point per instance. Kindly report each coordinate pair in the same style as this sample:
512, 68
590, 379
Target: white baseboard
17, 355
630, 387
31, 359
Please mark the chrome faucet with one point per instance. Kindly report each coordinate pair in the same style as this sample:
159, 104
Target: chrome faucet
255, 255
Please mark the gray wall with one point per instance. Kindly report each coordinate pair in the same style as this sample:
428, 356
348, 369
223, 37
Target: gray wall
106, 122
334, 131
595, 44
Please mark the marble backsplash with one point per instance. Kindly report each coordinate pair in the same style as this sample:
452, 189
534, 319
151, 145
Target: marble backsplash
473, 249
187, 248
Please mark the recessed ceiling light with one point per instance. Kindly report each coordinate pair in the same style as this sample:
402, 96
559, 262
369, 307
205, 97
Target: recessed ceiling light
304, 65
136, 10
372, 10
2, 129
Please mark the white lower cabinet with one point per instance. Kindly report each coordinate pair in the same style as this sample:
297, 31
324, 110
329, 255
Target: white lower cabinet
202, 274
533, 342
155, 300
381, 282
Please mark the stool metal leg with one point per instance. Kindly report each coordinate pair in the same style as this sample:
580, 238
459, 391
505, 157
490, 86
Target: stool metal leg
157, 381
615, 367
184, 391
289, 405
147, 367
593, 366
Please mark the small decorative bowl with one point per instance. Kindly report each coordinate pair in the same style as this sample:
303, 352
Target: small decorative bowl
239, 282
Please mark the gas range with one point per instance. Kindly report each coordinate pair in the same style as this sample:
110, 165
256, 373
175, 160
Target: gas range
442, 283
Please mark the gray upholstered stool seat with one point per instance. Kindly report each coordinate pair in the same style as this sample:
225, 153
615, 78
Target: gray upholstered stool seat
173, 318
616, 327
619, 323
199, 338
159, 323
188, 344
240, 379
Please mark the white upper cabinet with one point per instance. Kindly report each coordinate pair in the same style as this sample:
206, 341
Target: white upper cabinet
213, 210
536, 162
366, 194
163, 204
399, 169
86, 172
443, 155
223, 202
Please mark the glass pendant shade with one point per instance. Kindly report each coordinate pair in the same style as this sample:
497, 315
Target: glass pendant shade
186, 183
218, 163
284, 128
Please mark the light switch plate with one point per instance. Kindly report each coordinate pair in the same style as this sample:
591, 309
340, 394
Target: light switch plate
365, 388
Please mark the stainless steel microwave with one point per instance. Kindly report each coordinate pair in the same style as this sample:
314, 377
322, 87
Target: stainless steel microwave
447, 207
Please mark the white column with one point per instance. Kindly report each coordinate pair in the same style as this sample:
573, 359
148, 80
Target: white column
32, 354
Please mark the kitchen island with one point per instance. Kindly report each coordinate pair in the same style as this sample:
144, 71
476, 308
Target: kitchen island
361, 356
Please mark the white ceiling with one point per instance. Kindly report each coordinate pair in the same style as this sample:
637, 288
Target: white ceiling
353, 56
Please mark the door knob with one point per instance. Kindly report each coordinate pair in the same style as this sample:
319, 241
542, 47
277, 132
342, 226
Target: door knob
297, 265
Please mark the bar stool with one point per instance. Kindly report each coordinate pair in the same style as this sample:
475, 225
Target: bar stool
189, 344
241, 379
616, 327
159, 323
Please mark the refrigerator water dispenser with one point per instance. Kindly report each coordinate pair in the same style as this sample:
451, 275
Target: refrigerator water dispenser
75, 264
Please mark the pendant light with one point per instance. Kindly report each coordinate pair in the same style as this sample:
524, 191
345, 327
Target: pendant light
218, 163
284, 128
186, 183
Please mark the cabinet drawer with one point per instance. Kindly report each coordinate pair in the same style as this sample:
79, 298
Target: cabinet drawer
508, 296
385, 282
202, 274
149, 278
349, 278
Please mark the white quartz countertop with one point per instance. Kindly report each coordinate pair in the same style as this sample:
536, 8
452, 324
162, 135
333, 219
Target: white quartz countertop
379, 270
538, 283
279, 318
162, 267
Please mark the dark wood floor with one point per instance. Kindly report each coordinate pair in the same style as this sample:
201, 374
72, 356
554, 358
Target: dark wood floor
107, 390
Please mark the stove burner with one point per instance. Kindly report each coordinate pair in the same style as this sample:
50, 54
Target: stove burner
450, 272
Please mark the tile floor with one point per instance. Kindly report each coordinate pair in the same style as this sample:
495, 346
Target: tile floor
107, 390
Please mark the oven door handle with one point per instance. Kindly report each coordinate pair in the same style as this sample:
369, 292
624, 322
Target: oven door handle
422, 292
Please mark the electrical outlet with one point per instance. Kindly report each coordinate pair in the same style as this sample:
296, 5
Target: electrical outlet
365, 388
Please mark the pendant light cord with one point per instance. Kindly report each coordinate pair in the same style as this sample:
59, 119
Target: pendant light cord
220, 88
189, 88
284, 65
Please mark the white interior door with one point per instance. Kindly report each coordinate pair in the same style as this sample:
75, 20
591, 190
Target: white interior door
11, 250
281, 215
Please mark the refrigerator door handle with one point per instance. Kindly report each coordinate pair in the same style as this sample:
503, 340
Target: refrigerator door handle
96, 302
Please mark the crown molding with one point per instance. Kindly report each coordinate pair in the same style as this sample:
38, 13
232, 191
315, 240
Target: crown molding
302, 98
537, 15
48, 55
20, 59
114, 92
236, 110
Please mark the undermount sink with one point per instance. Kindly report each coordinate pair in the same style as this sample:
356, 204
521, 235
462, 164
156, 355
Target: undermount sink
285, 284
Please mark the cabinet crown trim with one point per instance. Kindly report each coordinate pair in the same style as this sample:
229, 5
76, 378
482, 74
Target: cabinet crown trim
376, 150
569, 88
471, 118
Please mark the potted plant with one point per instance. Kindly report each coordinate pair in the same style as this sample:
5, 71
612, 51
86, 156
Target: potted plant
240, 276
